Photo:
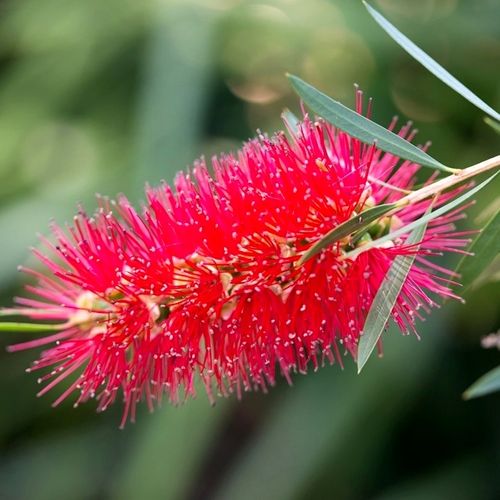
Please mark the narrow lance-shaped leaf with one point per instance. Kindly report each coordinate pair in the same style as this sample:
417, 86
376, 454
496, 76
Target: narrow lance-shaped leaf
347, 228
485, 248
386, 298
489, 382
424, 219
493, 124
360, 127
429, 63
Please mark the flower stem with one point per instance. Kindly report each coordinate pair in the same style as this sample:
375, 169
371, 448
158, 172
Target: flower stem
428, 191
447, 182
28, 327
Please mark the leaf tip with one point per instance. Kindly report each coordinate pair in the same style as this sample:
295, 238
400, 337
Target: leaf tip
494, 124
361, 361
467, 395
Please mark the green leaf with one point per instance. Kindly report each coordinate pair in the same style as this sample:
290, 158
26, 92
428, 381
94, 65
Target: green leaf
59, 464
489, 382
28, 327
171, 102
455, 478
188, 432
493, 124
429, 63
360, 127
485, 247
347, 228
306, 432
385, 299
424, 219
291, 120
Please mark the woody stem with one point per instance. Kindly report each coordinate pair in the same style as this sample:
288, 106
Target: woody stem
447, 182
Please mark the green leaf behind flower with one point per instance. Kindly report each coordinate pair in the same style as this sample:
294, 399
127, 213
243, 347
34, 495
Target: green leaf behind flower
347, 228
385, 299
485, 248
292, 121
360, 127
429, 63
489, 382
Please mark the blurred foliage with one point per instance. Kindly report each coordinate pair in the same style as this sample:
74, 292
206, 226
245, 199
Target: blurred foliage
101, 96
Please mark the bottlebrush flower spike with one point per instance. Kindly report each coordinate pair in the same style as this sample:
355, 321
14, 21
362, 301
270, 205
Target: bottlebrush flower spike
206, 280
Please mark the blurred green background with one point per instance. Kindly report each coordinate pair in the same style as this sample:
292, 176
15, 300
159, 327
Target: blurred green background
103, 95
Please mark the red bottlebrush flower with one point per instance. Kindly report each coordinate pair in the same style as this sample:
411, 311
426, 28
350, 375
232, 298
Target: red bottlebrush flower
206, 280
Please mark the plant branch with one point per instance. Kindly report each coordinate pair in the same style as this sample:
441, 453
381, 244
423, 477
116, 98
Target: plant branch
447, 182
